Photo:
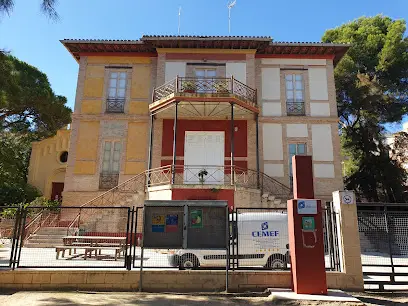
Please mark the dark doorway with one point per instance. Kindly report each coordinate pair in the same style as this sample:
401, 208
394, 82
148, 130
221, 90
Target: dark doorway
56, 193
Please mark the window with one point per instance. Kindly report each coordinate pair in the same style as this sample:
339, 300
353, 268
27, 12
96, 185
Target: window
295, 149
116, 92
205, 73
202, 84
111, 157
63, 157
110, 164
294, 94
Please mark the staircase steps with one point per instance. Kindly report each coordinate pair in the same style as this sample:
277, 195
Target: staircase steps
47, 237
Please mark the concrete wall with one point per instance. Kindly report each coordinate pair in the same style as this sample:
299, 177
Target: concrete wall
178, 281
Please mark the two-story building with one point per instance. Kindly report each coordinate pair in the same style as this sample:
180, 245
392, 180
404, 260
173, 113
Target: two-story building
202, 117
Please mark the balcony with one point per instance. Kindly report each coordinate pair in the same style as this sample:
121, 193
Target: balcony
205, 96
108, 180
295, 108
115, 105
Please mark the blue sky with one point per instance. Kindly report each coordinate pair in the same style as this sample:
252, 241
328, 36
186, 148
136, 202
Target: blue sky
33, 38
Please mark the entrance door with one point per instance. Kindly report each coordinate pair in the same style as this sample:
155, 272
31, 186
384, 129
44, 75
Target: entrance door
204, 152
56, 192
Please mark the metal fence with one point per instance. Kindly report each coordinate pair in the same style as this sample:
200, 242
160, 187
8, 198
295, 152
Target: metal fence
383, 229
110, 237
10, 220
261, 239
75, 237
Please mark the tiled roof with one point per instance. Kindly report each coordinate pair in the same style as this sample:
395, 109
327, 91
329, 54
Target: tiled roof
264, 45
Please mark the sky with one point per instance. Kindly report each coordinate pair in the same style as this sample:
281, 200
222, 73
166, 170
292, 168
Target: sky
33, 38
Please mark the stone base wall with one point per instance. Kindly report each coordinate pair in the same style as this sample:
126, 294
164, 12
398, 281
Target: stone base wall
176, 281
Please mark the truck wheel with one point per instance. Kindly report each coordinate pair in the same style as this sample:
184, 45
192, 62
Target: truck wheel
189, 261
276, 261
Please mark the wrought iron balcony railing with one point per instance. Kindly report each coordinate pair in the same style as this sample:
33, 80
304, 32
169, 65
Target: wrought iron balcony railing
108, 180
115, 105
217, 86
295, 108
216, 175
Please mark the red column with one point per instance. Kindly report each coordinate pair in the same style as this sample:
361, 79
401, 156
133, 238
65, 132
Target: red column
306, 232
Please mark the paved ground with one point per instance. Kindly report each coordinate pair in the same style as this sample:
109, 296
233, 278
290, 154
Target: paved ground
164, 299
145, 299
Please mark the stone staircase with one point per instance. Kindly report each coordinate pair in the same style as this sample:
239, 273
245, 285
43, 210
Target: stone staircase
366, 245
271, 201
47, 237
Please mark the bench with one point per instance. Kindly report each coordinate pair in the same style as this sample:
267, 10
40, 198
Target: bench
88, 250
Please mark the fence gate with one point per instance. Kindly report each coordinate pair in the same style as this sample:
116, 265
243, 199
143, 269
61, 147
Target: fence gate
260, 239
383, 232
10, 234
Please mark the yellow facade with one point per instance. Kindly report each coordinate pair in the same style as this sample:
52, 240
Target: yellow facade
138, 108
93, 126
140, 87
45, 166
87, 147
91, 106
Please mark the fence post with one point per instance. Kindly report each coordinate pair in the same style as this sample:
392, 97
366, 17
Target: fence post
227, 249
13, 244
392, 276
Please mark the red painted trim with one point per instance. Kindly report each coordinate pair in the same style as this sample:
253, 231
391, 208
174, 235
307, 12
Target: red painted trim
207, 56
209, 99
241, 135
122, 54
204, 194
304, 56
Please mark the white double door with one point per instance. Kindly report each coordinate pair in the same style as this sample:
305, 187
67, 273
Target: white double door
204, 152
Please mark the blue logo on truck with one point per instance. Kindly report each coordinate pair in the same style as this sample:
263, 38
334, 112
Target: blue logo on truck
264, 232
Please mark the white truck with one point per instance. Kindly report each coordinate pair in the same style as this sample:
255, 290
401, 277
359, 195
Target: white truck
262, 241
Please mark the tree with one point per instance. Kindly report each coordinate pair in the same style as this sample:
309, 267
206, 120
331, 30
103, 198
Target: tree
29, 111
47, 7
14, 158
400, 148
372, 90
27, 102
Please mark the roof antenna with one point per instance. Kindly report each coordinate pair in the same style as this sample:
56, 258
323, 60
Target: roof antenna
230, 5
179, 14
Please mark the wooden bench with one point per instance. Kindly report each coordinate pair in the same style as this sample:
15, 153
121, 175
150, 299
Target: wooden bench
88, 250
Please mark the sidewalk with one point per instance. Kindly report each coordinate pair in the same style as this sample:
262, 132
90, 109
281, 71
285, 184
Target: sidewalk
35, 298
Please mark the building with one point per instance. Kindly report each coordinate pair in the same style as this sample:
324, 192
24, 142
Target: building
201, 117
48, 162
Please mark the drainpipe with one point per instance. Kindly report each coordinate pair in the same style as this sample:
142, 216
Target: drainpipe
149, 166
173, 166
232, 145
258, 182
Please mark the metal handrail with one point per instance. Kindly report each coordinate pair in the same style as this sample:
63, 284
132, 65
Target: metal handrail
206, 85
241, 177
73, 221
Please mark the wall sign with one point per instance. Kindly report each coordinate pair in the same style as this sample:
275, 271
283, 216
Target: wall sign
347, 198
158, 223
306, 207
196, 217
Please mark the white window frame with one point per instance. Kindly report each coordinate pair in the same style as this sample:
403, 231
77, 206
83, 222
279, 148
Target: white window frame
291, 155
206, 70
111, 157
116, 87
294, 89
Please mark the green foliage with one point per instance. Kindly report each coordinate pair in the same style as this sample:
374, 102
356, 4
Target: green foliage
372, 89
14, 158
27, 102
49, 205
29, 111
47, 7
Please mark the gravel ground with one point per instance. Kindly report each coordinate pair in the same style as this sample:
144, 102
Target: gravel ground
36, 298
